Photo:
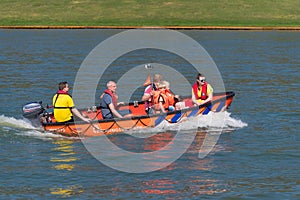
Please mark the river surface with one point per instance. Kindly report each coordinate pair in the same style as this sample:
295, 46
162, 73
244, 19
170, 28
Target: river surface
257, 156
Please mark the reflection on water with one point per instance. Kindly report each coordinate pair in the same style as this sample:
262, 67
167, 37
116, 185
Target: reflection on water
67, 192
195, 183
160, 186
65, 160
168, 181
158, 141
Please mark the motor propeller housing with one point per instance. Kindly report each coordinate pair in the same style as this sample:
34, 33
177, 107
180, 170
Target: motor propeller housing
32, 110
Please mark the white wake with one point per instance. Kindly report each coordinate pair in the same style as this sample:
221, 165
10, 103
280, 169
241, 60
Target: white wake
11, 125
212, 122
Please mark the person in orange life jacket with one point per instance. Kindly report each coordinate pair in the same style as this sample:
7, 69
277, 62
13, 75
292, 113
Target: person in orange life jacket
172, 98
160, 99
109, 103
202, 92
63, 105
164, 99
149, 92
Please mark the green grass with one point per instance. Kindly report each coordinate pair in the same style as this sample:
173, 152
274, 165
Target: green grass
150, 12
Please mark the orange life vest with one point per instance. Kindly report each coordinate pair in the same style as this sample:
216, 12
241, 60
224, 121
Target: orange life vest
156, 97
170, 97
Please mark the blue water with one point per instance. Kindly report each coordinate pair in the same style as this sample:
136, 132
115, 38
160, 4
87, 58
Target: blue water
256, 156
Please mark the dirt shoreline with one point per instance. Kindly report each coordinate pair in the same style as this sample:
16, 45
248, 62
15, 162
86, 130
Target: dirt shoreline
289, 28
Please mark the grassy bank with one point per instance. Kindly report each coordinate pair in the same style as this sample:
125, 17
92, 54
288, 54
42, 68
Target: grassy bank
150, 13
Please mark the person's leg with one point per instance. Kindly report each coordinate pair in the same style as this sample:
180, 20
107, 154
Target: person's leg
125, 113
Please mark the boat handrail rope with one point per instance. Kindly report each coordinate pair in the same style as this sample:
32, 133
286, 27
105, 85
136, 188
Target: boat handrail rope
74, 132
115, 123
126, 129
143, 123
61, 128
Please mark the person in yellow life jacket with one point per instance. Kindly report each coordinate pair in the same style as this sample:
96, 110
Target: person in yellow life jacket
202, 92
63, 105
160, 99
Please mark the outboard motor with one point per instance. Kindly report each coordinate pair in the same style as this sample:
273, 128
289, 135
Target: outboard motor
32, 111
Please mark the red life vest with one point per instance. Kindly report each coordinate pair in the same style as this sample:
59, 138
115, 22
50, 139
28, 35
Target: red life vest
113, 96
62, 92
203, 91
58, 93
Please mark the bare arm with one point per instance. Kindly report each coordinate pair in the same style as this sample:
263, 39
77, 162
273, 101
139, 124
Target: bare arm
78, 114
114, 111
146, 97
209, 98
162, 107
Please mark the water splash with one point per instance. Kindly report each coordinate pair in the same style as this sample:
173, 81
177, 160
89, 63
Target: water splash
234, 123
220, 121
23, 127
15, 123
211, 122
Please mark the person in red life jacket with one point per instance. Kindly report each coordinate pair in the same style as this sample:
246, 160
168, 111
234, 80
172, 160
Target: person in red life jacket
202, 92
63, 105
149, 92
109, 103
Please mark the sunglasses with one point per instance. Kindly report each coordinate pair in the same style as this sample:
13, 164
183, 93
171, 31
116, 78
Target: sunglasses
202, 80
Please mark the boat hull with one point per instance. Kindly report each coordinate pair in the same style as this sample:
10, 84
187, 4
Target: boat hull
139, 119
